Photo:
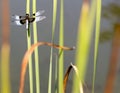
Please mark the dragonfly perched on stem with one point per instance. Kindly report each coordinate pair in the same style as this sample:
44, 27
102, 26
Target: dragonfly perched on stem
28, 19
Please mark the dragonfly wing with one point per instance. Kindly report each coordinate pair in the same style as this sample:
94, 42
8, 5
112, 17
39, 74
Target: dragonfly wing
17, 22
39, 18
31, 19
38, 13
16, 17
23, 21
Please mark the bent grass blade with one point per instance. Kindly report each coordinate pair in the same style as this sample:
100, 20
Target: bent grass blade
28, 54
67, 76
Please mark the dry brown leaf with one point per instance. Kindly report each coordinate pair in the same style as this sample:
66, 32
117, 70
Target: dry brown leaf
26, 59
67, 75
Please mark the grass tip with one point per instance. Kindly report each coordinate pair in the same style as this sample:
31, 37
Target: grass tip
71, 64
73, 47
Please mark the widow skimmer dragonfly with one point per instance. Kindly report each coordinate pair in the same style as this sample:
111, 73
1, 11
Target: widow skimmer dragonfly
27, 19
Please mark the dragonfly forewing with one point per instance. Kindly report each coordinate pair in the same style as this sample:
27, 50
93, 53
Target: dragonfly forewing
38, 13
39, 18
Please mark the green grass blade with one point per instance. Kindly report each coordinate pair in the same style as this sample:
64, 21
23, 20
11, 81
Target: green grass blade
36, 51
56, 74
61, 43
82, 48
85, 31
29, 45
98, 16
52, 41
54, 17
30, 66
27, 6
50, 73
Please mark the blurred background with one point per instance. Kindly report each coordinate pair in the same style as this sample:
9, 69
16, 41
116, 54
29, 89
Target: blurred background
110, 17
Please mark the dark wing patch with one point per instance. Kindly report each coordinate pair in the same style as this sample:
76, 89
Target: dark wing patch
31, 19
23, 21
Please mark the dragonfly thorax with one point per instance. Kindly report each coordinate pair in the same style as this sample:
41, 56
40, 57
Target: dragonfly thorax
27, 16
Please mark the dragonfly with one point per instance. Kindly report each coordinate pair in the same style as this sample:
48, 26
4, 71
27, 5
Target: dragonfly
28, 19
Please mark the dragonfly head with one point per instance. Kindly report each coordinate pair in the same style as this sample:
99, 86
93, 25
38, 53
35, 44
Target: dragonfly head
27, 15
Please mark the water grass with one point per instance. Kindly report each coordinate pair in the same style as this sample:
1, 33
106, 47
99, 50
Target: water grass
56, 74
52, 41
82, 47
85, 31
36, 51
5, 50
97, 33
29, 45
61, 53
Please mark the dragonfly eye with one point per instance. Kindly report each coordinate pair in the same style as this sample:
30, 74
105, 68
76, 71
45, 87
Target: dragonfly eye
34, 14
27, 14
